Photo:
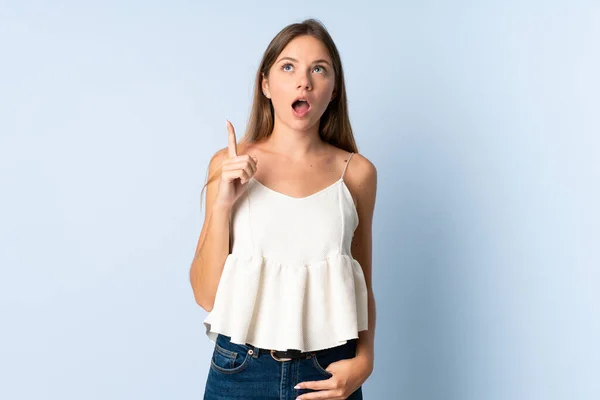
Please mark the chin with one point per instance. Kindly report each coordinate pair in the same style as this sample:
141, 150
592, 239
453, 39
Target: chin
302, 124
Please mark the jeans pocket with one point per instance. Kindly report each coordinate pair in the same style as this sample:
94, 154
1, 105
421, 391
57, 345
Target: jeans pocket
322, 361
229, 358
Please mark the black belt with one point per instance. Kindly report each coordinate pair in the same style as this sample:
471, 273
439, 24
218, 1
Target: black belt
287, 354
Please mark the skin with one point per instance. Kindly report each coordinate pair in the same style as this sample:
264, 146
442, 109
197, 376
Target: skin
307, 76
296, 162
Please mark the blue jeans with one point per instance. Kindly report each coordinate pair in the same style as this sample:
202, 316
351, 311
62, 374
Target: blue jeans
246, 372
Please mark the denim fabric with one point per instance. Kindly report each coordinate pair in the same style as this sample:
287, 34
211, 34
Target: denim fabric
235, 373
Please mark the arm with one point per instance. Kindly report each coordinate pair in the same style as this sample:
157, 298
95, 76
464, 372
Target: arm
366, 188
214, 242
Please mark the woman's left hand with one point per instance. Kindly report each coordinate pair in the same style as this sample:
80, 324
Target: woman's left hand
348, 375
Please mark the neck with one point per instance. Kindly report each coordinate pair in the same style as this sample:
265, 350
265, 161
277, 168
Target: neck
295, 143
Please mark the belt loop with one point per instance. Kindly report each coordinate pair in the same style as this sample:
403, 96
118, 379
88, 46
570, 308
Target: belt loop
255, 351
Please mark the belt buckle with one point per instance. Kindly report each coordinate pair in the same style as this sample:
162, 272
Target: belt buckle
278, 359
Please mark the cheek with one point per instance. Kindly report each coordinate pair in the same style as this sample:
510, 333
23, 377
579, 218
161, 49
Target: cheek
279, 102
324, 99
325, 92
279, 94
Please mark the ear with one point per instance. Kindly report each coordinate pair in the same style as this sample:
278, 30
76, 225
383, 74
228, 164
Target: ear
333, 94
265, 87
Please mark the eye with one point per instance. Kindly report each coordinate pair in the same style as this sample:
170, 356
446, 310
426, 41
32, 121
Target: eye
322, 69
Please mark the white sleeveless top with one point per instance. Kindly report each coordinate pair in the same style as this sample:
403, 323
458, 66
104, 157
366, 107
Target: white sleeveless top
290, 281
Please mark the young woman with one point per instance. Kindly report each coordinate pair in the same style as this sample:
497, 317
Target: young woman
283, 263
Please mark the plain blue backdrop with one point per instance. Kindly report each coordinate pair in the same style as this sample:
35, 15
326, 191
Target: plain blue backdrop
481, 117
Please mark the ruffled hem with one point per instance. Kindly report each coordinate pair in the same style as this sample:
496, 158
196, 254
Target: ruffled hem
280, 306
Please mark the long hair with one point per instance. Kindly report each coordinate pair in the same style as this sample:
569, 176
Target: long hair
334, 125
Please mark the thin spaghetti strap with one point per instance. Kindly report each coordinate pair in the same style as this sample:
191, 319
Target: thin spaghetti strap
347, 162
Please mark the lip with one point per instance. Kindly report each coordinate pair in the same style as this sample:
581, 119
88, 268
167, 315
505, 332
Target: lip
307, 102
305, 98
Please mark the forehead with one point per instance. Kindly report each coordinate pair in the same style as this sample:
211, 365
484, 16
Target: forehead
305, 48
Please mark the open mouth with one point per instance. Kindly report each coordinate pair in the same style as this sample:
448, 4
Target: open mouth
301, 107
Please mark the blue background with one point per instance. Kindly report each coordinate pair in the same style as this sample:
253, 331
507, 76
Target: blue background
481, 117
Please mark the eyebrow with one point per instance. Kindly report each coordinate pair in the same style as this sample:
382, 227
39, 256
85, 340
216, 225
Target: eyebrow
314, 62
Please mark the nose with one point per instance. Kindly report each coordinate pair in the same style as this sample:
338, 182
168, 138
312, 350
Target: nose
304, 82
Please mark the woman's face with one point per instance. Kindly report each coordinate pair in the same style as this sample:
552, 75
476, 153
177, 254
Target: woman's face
303, 69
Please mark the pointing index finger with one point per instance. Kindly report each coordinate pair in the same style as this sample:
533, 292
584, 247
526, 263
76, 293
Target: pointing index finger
232, 140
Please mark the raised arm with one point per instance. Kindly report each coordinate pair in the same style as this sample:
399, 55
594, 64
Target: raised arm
214, 243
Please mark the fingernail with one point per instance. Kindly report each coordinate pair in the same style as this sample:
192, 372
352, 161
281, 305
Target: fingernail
297, 387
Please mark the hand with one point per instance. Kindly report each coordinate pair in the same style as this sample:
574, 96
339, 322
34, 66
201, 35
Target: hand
237, 171
348, 375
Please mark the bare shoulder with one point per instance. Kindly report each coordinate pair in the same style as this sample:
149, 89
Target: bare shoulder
360, 167
363, 169
361, 179
218, 158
